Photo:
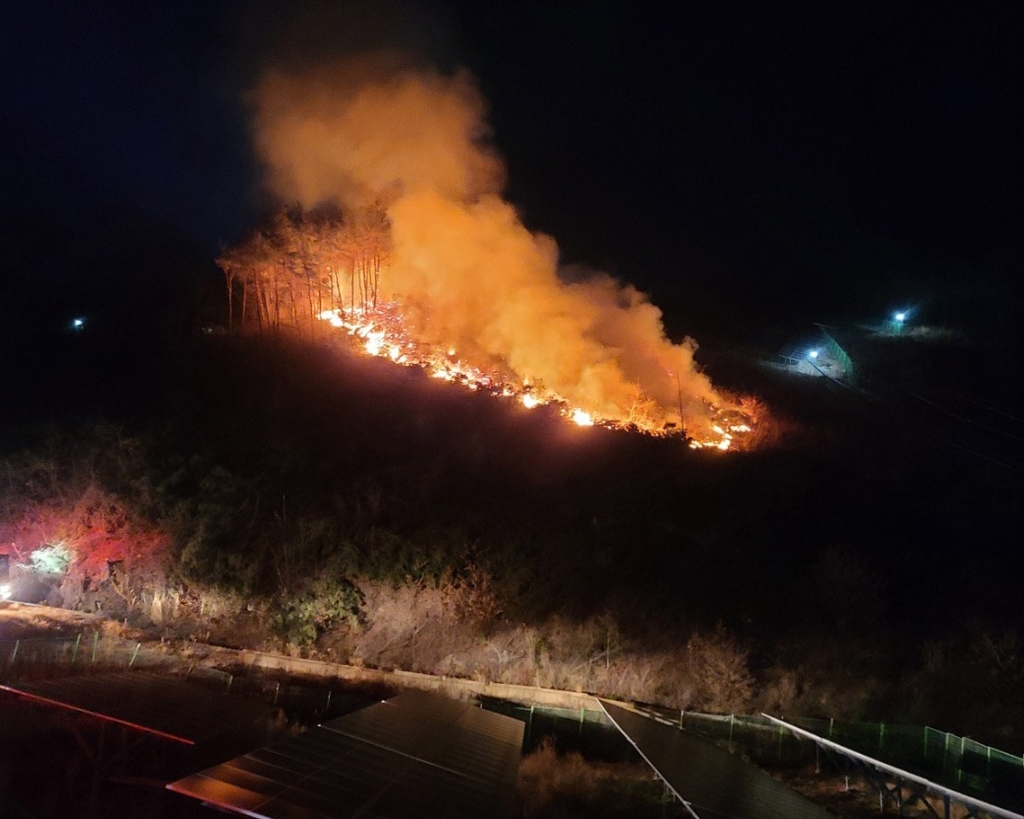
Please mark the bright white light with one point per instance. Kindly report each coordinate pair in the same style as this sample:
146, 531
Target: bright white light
813, 354
77, 323
900, 316
5, 591
529, 401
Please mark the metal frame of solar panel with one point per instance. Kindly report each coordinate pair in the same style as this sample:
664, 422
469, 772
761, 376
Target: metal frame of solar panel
710, 782
973, 806
416, 754
171, 708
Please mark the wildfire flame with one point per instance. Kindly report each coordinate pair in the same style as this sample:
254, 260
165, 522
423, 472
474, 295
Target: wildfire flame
449, 277
382, 333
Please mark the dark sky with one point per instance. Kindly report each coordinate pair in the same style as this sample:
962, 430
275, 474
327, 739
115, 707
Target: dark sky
813, 157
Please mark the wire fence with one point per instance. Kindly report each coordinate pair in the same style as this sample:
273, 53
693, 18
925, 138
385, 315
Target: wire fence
959, 762
36, 658
41, 657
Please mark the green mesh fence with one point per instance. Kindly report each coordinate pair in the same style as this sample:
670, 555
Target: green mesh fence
40, 657
765, 743
958, 762
35, 658
839, 354
573, 729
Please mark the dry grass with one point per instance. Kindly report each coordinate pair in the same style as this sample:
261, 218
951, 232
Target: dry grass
18, 621
425, 627
568, 786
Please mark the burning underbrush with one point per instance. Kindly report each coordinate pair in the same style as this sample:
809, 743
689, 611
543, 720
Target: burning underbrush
382, 332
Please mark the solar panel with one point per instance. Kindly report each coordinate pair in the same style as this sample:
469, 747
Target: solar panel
171, 708
712, 782
417, 754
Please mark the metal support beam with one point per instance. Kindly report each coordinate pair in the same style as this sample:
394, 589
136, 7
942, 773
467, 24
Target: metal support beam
878, 772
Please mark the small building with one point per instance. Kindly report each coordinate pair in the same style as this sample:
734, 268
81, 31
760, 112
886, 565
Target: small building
815, 356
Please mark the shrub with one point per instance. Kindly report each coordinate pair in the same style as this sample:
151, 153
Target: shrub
303, 617
718, 664
51, 561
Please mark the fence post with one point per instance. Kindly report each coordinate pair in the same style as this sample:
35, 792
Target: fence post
682, 714
14, 654
529, 724
583, 711
95, 645
135, 654
732, 721
74, 651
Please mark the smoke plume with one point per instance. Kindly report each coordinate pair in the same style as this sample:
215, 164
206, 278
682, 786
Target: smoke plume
416, 141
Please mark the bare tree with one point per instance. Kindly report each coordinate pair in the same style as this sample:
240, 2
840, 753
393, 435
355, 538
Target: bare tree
295, 267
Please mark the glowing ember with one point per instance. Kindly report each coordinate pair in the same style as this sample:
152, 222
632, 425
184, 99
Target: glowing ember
529, 401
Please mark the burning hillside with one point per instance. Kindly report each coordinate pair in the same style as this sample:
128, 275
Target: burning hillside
381, 332
430, 267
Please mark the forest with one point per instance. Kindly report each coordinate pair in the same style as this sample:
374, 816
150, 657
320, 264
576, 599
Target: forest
302, 264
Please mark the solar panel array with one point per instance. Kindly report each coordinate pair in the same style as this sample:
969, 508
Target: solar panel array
164, 706
417, 754
712, 782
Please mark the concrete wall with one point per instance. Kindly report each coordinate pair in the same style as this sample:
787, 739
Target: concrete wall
449, 686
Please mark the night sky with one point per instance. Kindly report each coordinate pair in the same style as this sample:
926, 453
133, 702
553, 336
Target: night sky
747, 167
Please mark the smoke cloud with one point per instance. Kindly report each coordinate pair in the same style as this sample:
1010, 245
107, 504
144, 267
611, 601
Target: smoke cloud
416, 141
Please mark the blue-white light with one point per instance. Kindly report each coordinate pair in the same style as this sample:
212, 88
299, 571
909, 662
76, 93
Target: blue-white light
77, 323
900, 316
813, 354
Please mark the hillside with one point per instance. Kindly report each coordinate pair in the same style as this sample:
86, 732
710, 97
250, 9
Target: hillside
353, 508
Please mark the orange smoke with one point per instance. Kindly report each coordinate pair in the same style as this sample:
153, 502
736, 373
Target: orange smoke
360, 131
